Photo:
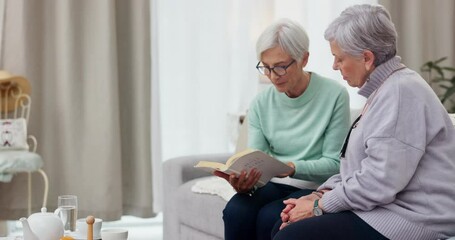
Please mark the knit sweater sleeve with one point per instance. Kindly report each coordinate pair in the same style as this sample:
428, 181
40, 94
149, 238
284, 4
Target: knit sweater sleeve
383, 155
256, 138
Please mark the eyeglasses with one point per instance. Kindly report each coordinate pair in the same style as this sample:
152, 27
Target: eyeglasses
278, 70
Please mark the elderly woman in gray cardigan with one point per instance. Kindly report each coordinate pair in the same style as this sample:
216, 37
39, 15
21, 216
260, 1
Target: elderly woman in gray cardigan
397, 175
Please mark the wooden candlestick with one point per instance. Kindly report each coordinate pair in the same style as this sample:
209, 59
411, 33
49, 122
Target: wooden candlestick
90, 221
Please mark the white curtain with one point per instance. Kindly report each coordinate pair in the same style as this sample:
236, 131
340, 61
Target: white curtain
89, 66
206, 64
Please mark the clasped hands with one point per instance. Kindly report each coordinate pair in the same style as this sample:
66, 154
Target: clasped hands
297, 209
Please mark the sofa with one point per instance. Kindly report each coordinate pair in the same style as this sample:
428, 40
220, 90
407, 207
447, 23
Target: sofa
186, 214
190, 215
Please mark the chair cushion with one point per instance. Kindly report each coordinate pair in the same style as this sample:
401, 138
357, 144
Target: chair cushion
18, 161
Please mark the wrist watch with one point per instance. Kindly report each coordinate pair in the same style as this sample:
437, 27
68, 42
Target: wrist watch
316, 210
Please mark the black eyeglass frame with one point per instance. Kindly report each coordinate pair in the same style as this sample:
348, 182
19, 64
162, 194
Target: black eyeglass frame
262, 69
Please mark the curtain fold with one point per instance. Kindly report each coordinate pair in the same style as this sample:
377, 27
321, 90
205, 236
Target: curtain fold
426, 30
133, 47
89, 66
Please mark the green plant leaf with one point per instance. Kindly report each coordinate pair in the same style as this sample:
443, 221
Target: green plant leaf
440, 60
439, 70
451, 69
426, 67
445, 84
440, 79
448, 93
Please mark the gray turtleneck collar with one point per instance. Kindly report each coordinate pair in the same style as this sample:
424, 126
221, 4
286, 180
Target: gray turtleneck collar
380, 75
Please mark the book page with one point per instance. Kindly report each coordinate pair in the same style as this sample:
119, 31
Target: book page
238, 155
211, 166
267, 165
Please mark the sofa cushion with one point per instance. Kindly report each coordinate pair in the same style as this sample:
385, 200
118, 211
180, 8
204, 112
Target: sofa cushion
200, 211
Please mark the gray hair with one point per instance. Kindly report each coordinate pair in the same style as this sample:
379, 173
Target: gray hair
288, 35
364, 27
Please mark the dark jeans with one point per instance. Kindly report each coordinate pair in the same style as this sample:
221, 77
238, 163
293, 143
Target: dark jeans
253, 217
342, 225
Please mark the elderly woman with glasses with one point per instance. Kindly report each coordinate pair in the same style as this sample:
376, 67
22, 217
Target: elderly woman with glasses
301, 120
397, 173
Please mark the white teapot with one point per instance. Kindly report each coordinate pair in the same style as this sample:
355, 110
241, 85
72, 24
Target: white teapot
42, 226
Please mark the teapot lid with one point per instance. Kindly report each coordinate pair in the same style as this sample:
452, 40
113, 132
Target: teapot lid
43, 213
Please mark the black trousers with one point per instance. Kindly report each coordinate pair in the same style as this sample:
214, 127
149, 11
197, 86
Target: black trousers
253, 217
342, 225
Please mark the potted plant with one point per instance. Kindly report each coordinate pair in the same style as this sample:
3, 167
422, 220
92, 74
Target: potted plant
442, 79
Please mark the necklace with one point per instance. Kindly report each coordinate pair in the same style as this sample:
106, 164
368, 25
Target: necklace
364, 110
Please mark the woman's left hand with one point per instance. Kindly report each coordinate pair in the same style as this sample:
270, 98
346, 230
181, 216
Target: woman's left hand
291, 173
297, 209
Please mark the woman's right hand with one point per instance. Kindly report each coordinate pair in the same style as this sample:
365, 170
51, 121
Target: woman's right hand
244, 182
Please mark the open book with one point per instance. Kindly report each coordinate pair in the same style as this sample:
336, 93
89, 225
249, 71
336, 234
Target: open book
246, 160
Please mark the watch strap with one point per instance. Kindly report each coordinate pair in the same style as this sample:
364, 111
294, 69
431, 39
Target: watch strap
316, 210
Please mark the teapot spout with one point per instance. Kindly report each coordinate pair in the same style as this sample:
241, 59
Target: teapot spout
28, 233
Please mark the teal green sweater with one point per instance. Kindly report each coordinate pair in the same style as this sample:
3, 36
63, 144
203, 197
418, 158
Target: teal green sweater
308, 130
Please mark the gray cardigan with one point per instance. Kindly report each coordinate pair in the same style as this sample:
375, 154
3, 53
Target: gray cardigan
399, 170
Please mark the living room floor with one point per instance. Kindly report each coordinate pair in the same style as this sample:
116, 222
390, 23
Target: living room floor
138, 228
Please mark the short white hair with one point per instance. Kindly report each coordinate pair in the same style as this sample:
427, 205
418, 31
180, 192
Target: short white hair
287, 34
364, 27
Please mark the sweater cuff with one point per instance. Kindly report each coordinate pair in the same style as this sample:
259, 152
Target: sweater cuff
330, 183
331, 203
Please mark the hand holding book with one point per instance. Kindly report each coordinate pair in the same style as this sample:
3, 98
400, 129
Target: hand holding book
242, 183
244, 162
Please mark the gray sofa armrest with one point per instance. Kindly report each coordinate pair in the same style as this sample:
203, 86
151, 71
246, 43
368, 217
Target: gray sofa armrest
181, 169
177, 171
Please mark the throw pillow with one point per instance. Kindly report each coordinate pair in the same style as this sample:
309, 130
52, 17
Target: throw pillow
13, 134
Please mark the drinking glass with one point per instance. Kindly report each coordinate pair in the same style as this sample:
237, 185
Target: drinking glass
67, 206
